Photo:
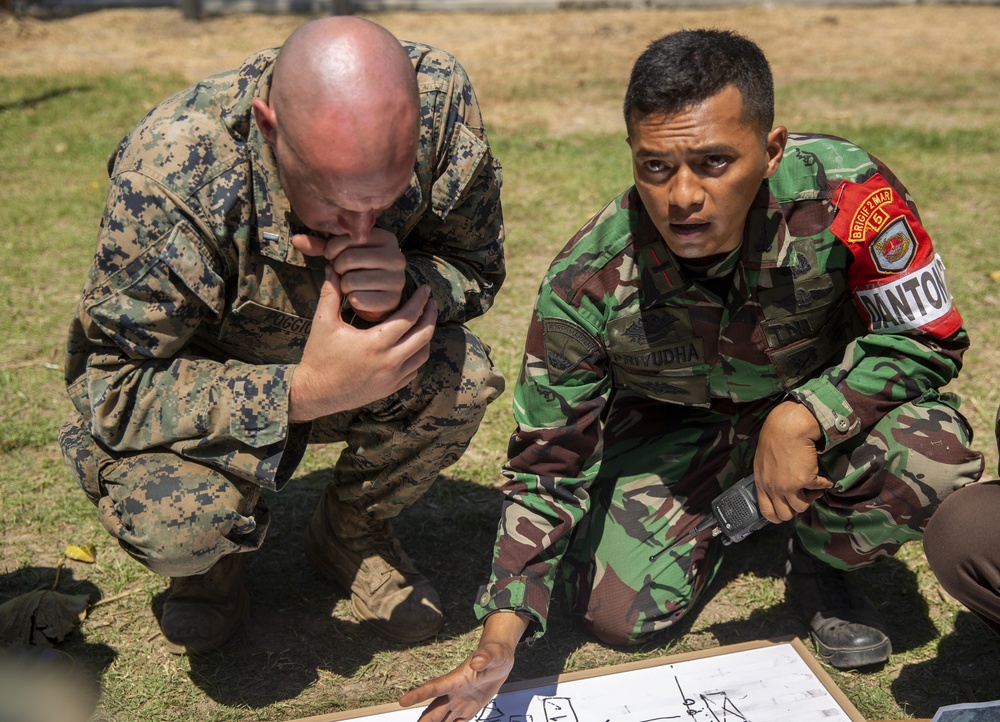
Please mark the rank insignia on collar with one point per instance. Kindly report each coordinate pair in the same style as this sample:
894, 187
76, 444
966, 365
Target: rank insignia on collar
894, 248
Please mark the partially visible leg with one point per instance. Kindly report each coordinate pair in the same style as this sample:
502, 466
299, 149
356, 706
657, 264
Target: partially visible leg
396, 447
180, 519
962, 543
395, 450
962, 546
887, 485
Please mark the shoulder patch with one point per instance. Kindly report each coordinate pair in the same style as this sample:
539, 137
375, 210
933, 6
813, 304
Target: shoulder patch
566, 345
893, 249
897, 280
862, 212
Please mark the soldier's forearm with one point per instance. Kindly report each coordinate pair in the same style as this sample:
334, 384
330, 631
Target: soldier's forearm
504, 627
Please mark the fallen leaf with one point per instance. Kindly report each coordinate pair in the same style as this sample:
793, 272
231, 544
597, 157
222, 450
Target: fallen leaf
85, 553
995, 275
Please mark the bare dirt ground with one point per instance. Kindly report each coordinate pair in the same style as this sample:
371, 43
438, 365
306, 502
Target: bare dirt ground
507, 54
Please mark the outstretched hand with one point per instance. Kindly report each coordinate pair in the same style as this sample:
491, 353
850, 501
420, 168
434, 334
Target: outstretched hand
786, 465
344, 367
462, 693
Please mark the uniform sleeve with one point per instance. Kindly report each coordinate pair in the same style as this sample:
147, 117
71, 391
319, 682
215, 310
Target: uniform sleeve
457, 246
133, 366
915, 338
554, 455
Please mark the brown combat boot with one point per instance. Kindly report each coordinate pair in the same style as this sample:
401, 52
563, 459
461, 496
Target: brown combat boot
363, 555
203, 611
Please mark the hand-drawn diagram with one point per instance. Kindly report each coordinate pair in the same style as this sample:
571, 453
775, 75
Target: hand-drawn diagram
716, 704
771, 683
710, 706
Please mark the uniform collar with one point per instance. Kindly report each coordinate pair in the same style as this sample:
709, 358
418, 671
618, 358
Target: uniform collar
274, 215
275, 220
763, 238
765, 232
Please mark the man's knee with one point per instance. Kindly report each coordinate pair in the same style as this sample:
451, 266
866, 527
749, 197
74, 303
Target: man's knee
174, 516
625, 627
888, 485
929, 448
184, 517
961, 538
622, 616
613, 632
914, 457
459, 380
929, 458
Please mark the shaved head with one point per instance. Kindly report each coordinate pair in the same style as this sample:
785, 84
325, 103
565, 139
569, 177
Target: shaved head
342, 68
343, 112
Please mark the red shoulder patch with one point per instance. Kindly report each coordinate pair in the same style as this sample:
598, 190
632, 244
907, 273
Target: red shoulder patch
897, 279
863, 209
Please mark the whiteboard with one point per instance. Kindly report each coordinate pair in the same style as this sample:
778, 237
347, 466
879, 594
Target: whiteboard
756, 682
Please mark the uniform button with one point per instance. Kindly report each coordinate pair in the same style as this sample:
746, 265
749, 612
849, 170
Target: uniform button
485, 599
367, 485
841, 423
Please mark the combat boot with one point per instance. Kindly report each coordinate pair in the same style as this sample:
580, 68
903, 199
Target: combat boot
203, 611
846, 627
362, 555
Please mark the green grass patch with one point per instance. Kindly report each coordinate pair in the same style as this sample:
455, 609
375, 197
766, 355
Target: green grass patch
302, 654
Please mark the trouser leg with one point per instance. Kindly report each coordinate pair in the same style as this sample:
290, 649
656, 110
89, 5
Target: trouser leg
395, 450
176, 517
962, 543
396, 447
661, 472
887, 484
632, 569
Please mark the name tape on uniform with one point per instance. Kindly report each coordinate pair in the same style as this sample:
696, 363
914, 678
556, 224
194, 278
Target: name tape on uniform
908, 302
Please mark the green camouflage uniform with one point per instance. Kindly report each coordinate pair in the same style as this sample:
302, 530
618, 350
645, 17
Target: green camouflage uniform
197, 308
643, 391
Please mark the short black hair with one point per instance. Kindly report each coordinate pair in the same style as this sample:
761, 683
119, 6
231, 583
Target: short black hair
690, 66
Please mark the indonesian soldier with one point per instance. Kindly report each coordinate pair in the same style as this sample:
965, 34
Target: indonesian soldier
758, 302
288, 255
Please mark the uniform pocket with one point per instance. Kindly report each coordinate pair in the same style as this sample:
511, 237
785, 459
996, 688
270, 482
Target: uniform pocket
803, 357
688, 387
462, 163
258, 334
152, 306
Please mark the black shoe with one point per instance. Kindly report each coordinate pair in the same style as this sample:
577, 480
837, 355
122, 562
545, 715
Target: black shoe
846, 627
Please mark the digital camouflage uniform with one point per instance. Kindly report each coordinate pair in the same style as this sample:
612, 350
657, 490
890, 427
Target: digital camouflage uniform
643, 391
197, 308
